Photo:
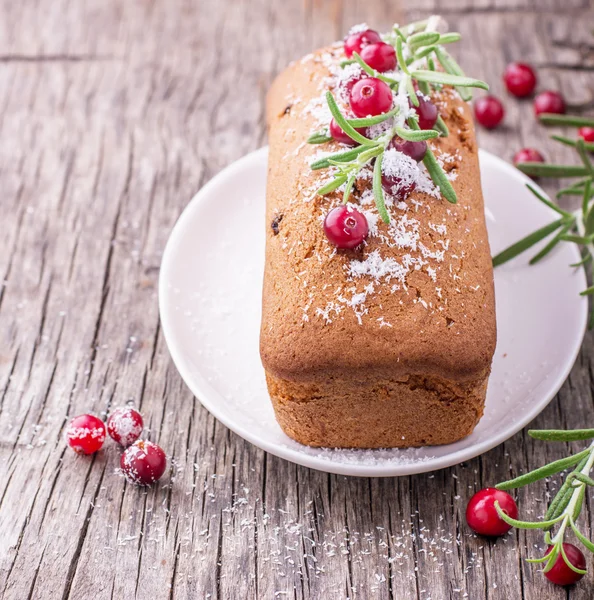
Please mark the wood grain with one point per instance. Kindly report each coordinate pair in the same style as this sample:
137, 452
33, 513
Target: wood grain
112, 115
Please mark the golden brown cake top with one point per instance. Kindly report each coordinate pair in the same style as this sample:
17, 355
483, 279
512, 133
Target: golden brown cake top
417, 295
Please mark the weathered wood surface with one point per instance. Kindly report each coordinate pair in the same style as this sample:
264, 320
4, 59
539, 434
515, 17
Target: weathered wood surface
112, 115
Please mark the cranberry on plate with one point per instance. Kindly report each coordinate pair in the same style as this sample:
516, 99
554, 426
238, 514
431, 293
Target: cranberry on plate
587, 134
345, 227
560, 573
528, 155
489, 111
143, 463
125, 425
340, 136
85, 434
482, 516
370, 97
379, 56
356, 41
520, 79
427, 112
549, 102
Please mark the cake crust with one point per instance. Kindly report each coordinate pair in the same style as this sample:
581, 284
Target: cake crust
335, 327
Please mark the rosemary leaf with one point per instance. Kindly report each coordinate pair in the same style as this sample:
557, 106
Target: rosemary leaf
423, 38
378, 192
400, 57
568, 562
551, 245
527, 242
580, 536
587, 257
448, 79
573, 143
586, 197
348, 187
346, 156
319, 137
412, 135
372, 72
451, 66
524, 524
555, 119
546, 201
579, 502
332, 185
368, 121
410, 90
423, 52
578, 239
548, 170
588, 291
442, 127
439, 177
344, 124
584, 156
542, 472
349, 61
560, 502
583, 478
561, 435
424, 87
450, 37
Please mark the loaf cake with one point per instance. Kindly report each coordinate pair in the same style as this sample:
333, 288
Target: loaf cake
388, 343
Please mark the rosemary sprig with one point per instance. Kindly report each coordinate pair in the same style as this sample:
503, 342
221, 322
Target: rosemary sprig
566, 506
418, 47
575, 227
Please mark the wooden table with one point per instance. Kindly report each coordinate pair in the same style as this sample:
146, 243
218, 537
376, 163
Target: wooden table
113, 114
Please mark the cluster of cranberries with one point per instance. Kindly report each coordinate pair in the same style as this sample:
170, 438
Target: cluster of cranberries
482, 518
142, 462
346, 227
520, 81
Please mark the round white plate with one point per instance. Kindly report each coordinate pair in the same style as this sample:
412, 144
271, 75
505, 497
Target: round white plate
210, 297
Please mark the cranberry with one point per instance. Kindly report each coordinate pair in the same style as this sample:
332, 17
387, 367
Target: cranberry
519, 79
528, 155
416, 150
560, 573
345, 227
355, 42
587, 134
85, 434
340, 136
379, 56
370, 97
125, 425
489, 111
481, 514
143, 463
549, 102
428, 114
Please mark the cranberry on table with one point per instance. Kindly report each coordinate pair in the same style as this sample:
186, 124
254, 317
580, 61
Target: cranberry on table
125, 425
549, 102
427, 112
528, 155
489, 111
85, 434
143, 463
345, 227
340, 136
370, 97
380, 56
560, 573
482, 516
415, 150
355, 42
520, 79
587, 134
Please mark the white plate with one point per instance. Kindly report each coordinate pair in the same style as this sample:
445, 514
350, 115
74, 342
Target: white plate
210, 296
